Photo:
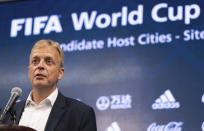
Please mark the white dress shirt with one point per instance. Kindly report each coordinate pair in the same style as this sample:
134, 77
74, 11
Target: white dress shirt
36, 116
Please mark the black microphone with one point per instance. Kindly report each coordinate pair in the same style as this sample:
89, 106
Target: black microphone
15, 94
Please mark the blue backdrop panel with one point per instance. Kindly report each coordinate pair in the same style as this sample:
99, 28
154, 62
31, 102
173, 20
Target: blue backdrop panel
139, 64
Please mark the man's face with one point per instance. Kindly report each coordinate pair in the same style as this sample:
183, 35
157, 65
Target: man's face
44, 67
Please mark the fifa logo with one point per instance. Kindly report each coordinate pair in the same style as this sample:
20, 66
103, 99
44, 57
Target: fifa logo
36, 25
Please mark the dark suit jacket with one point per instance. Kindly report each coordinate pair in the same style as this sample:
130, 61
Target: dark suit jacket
66, 115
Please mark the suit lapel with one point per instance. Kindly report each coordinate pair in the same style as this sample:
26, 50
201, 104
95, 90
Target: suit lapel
19, 110
56, 113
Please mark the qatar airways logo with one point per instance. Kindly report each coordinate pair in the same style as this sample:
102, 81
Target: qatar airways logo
125, 17
36, 26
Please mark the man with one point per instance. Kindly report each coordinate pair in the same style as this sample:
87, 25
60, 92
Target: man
46, 109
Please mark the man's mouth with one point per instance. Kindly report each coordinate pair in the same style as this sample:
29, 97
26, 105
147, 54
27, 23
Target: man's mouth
40, 76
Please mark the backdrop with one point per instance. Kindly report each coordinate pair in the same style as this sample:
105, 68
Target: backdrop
138, 63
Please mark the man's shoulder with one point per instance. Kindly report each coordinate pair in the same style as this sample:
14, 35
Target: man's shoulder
75, 103
76, 113
76, 109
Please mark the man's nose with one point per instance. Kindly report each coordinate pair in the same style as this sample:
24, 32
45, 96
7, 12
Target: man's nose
41, 65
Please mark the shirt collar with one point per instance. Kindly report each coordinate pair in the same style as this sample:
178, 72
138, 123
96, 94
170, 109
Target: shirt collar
51, 98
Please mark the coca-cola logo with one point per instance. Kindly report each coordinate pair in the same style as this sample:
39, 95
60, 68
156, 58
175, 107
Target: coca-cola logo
171, 126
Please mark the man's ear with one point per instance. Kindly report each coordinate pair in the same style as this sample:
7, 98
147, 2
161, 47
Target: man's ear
61, 73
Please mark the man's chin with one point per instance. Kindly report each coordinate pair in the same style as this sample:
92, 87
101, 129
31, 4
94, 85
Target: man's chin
40, 85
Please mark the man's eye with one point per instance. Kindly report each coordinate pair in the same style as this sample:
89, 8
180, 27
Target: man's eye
34, 61
49, 61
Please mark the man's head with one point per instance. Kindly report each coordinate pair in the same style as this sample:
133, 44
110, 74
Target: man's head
46, 64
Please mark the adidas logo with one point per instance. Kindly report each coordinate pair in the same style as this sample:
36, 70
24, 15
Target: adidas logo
166, 101
113, 127
202, 98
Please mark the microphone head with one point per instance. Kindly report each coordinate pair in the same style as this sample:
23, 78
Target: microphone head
17, 91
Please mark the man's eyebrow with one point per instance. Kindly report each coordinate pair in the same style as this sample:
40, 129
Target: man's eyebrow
48, 57
35, 57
